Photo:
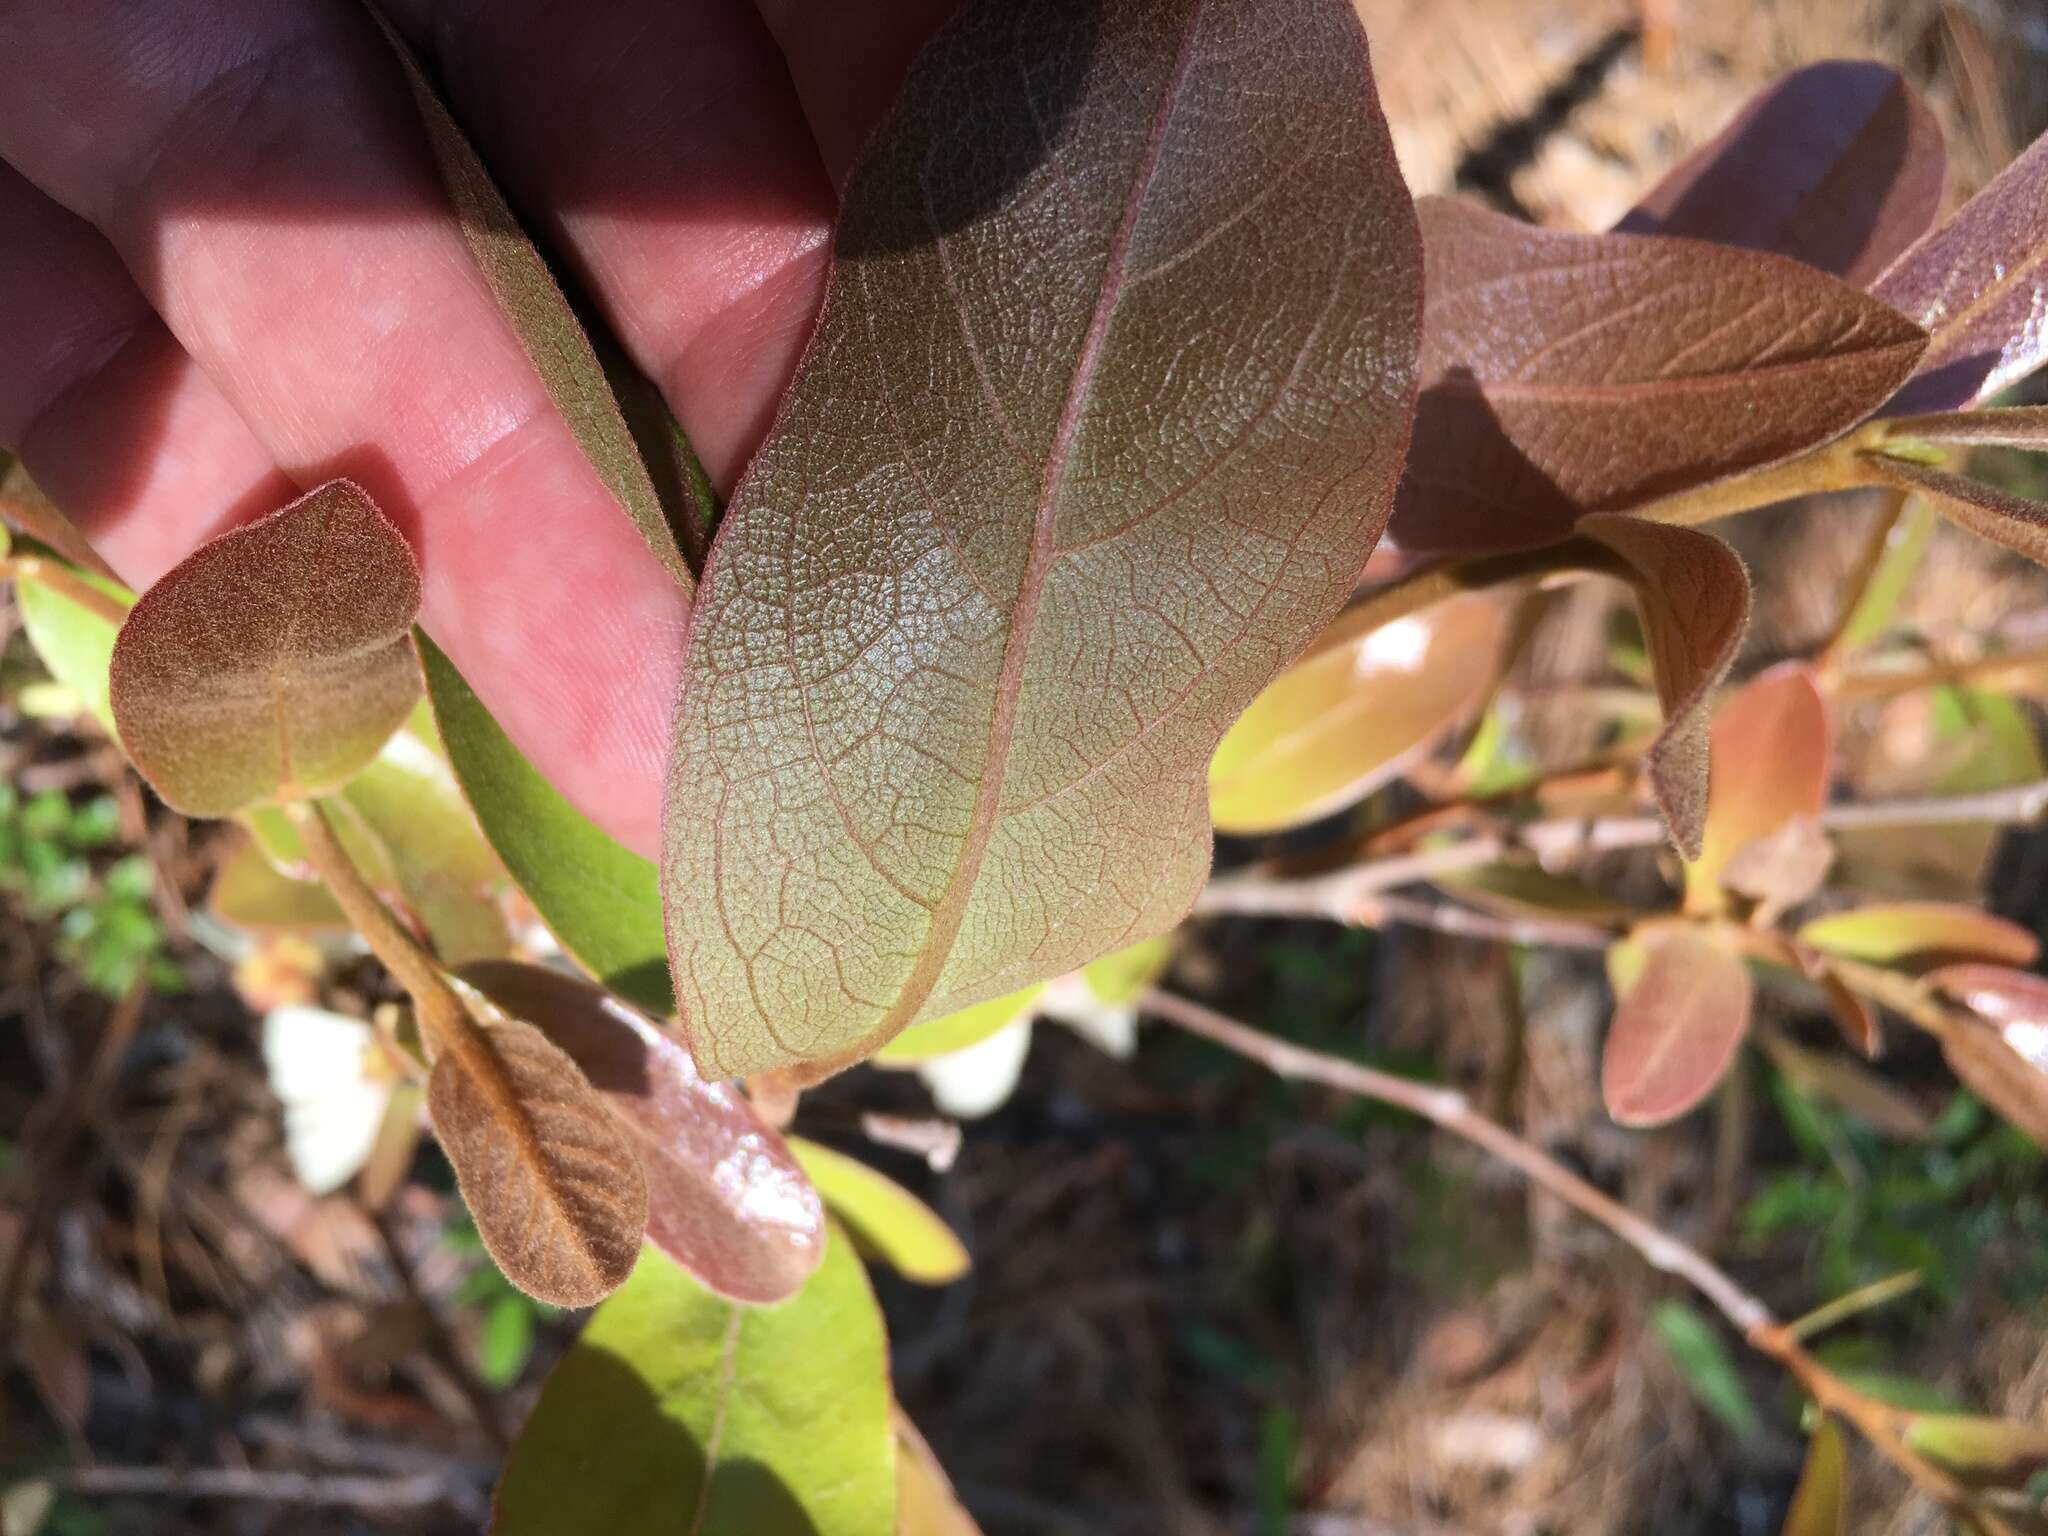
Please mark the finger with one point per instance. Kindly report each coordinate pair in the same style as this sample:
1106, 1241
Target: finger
848, 59
90, 365
659, 148
259, 168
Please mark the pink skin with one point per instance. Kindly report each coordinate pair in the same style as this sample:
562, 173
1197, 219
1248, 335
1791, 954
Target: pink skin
227, 270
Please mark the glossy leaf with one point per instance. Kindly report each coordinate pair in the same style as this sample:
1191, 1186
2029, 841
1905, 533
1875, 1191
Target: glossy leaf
1365, 702
2018, 522
925, 1502
886, 1219
1003, 573
548, 1172
1820, 1504
1891, 932
1692, 592
275, 660
1840, 165
1990, 1064
1999, 995
1979, 285
678, 1411
725, 1197
1564, 373
600, 900
75, 643
1770, 748
541, 318
958, 1031
1676, 1030
1981, 1451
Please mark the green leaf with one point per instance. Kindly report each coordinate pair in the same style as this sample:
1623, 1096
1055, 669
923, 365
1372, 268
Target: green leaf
1004, 573
1820, 1504
1891, 932
957, 1031
679, 1411
274, 661
1981, 1451
886, 1219
1121, 978
507, 1341
76, 644
601, 900
1695, 1347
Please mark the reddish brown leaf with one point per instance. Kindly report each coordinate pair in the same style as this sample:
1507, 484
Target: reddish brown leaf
2017, 522
1676, 1030
725, 1197
1839, 165
275, 660
2000, 995
547, 1171
1100, 419
1771, 746
1565, 373
1897, 931
1979, 284
1988, 1064
1782, 868
1852, 1015
2011, 426
1693, 594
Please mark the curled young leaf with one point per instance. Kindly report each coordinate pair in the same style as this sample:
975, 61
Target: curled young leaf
1979, 285
1839, 165
725, 1197
886, 1219
1003, 573
547, 1171
1851, 1014
1770, 750
601, 901
1564, 374
1820, 1504
1692, 592
2018, 522
275, 660
1889, 933
678, 1411
1365, 701
1676, 1029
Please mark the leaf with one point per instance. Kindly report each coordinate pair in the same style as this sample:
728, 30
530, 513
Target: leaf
549, 1174
1771, 746
274, 661
677, 1411
1891, 932
1693, 594
725, 1197
1841, 1081
601, 900
2019, 523
1990, 1066
886, 1219
1979, 285
1820, 1504
1120, 978
1528, 890
25, 507
1566, 373
2017, 426
249, 892
1695, 1347
1003, 574
75, 643
1780, 869
1364, 703
541, 318
957, 1031
1839, 165
1852, 1015
1978, 1450
1676, 1030
925, 1502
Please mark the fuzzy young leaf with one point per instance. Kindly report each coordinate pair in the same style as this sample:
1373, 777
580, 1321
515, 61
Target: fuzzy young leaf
1364, 703
885, 1218
1820, 1504
601, 900
1564, 374
1889, 933
1839, 165
547, 1171
1770, 749
1004, 572
679, 1411
1676, 1029
275, 660
1979, 284
725, 1197
2018, 522
1693, 594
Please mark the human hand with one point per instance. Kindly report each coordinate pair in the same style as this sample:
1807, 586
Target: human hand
228, 272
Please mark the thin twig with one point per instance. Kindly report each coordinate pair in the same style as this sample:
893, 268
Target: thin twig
1465, 922
338, 1490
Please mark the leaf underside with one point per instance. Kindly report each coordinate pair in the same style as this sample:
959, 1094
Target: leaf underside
275, 660
1099, 421
1676, 1030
